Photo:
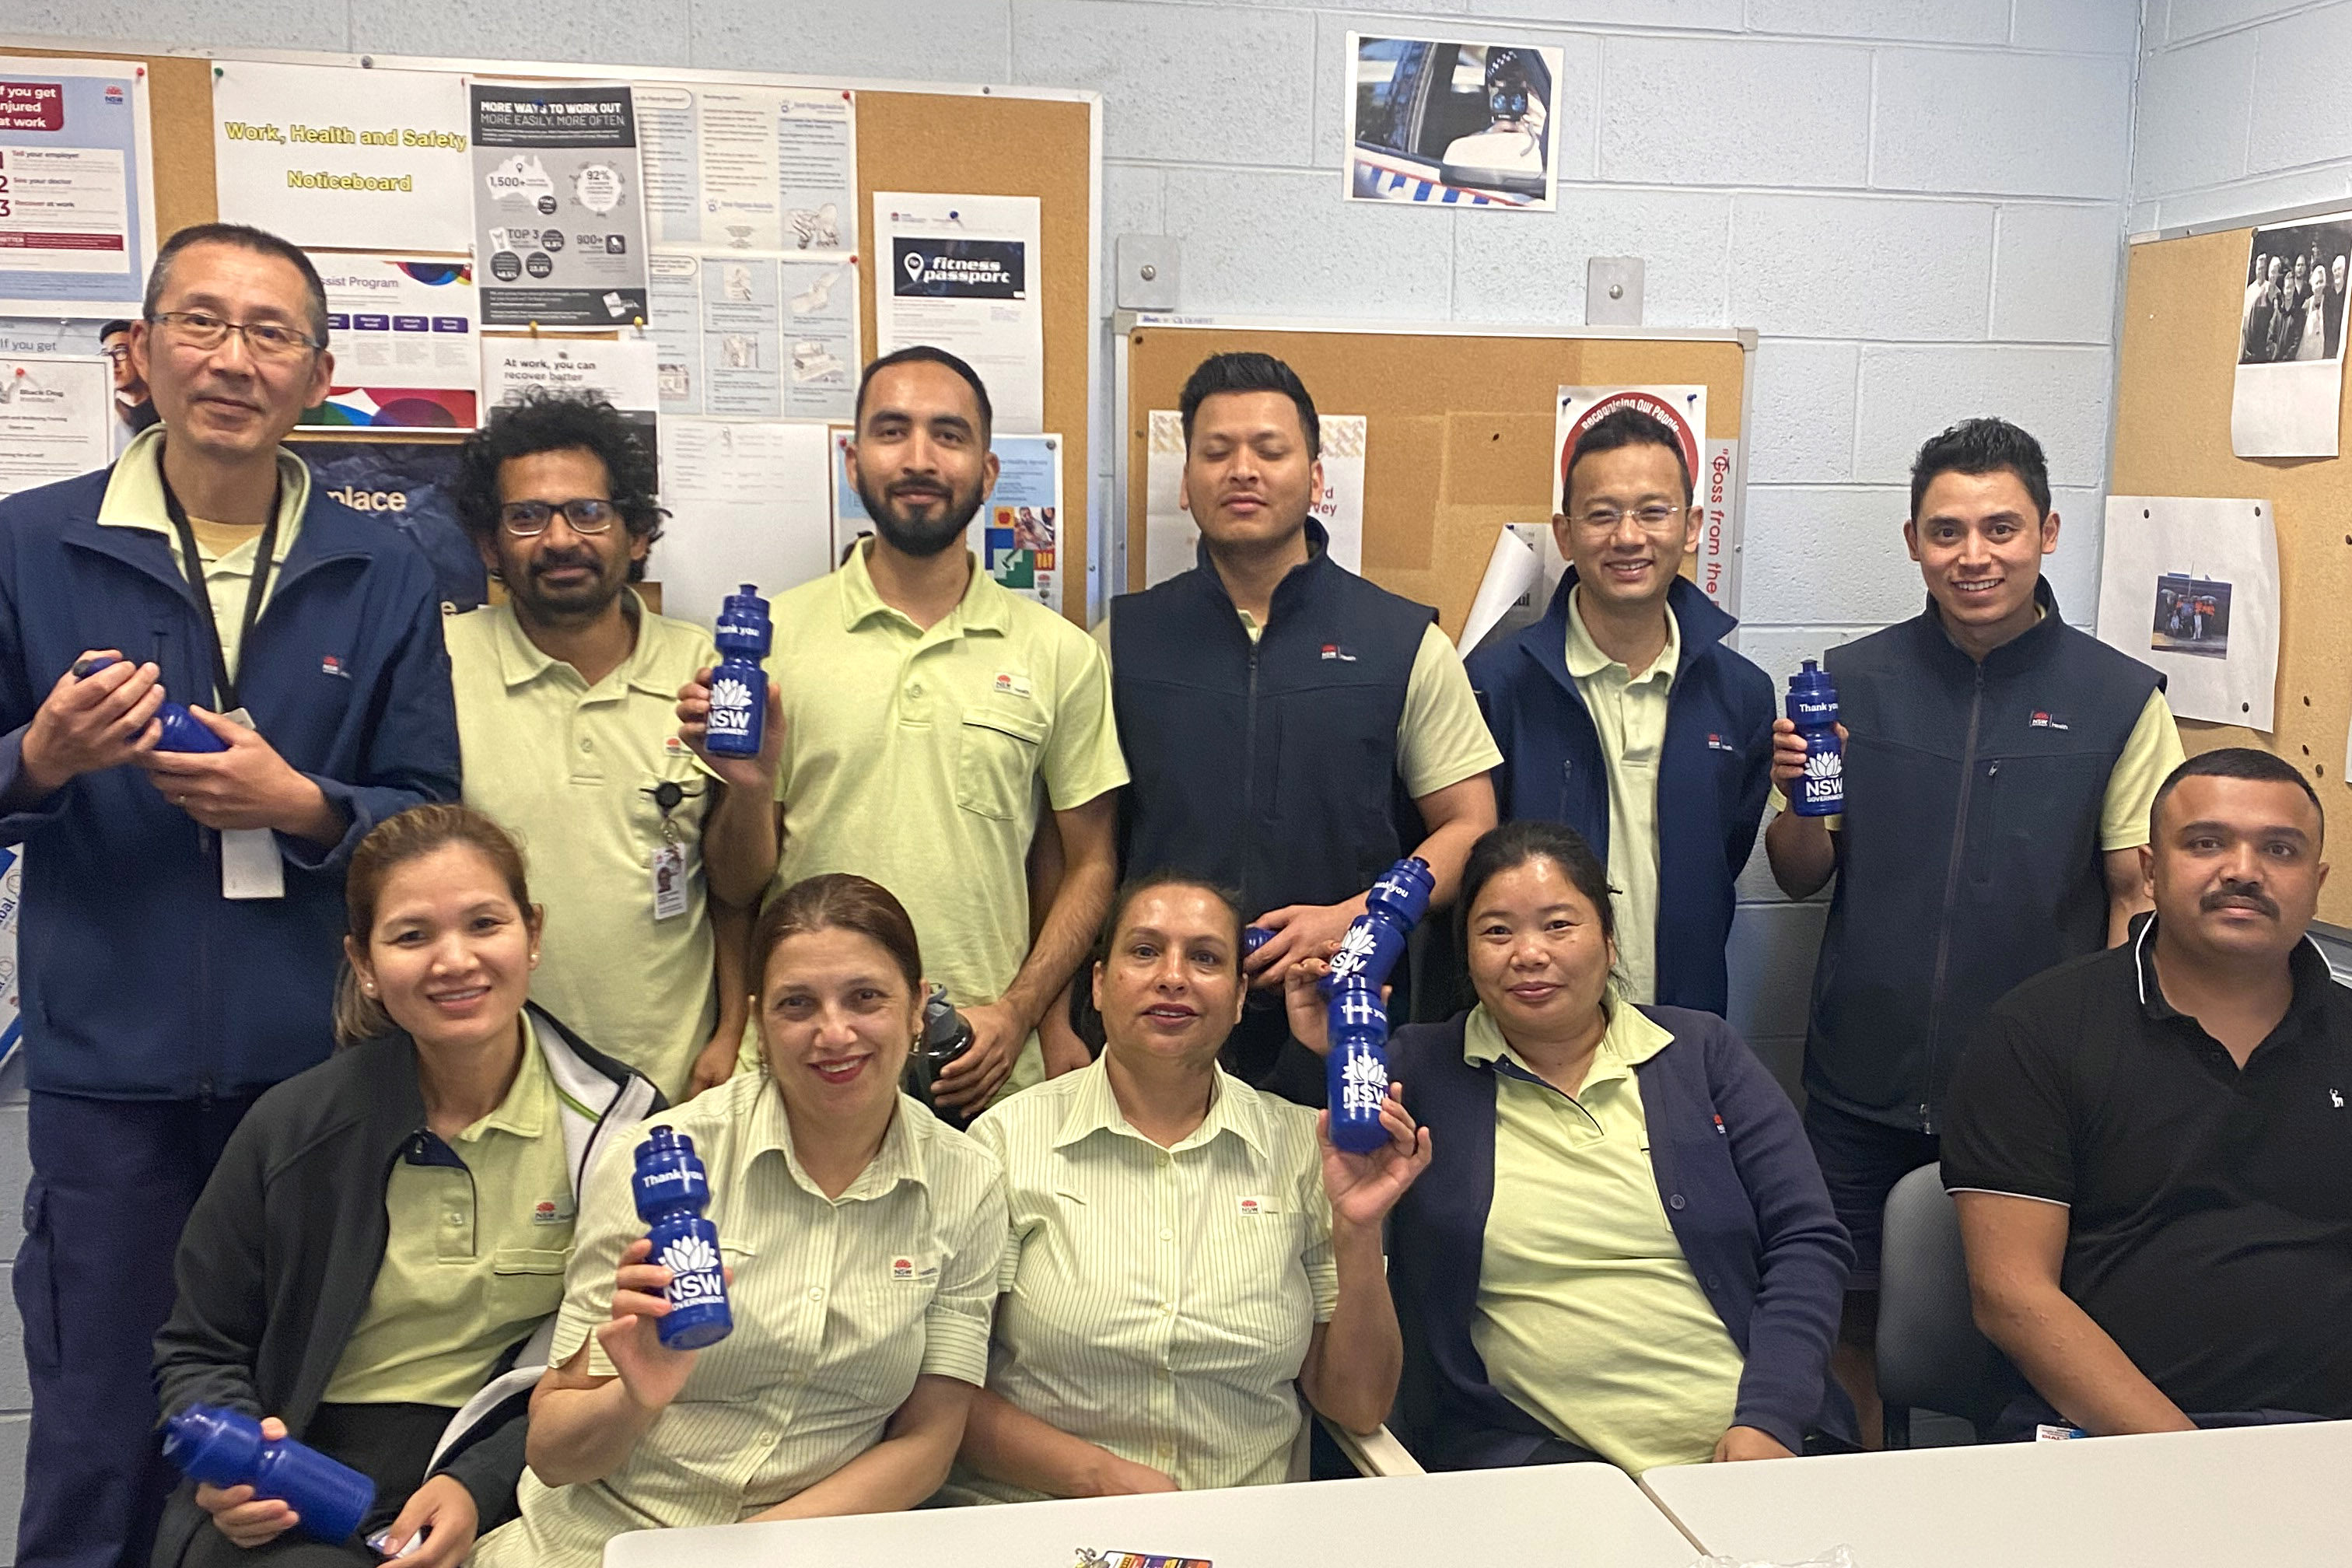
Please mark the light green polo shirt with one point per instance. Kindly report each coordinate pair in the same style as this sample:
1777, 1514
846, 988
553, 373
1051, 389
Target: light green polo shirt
839, 1304
1589, 1317
480, 1231
134, 499
1159, 1302
1629, 714
1442, 738
570, 769
918, 758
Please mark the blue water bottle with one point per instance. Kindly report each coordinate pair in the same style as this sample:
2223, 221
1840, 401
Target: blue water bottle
225, 1448
739, 687
181, 732
1813, 710
1253, 938
672, 1190
1357, 1070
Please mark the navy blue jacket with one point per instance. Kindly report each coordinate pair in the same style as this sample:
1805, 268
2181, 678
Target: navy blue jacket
140, 981
1742, 1193
1714, 774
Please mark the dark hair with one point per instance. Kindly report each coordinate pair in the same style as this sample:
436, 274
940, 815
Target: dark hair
1512, 846
1135, 887
112, 328
839, 901
1983, 446
1248, 373
244, 236
544, 421
2238, 762
924, 353
398, 839
1622, 427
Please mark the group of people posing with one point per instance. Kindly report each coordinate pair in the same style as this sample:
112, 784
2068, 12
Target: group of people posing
335, 1030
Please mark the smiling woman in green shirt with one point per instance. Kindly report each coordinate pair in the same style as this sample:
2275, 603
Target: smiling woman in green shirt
861, 1235
1181, 1246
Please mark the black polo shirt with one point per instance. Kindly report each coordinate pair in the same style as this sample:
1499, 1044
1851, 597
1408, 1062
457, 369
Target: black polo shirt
2211, 1226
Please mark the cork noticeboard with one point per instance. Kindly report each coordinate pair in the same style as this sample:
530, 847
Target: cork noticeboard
980, 143
1458, 428
2181, 321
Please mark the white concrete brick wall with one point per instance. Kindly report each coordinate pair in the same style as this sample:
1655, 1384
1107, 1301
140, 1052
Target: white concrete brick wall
2241, 108
1917, 203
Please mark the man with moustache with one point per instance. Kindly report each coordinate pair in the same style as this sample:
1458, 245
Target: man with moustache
1999, 765
645, 850
924, 709
2150, 1148
1282, 715
184, 910
1622, 714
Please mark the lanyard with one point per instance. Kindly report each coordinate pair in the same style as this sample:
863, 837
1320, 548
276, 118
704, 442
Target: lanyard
224, 688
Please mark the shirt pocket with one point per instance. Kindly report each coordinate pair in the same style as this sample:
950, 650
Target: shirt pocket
996, 761
526, 1282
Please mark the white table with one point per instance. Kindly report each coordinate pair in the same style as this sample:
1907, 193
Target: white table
1554, 1516
2276, 1497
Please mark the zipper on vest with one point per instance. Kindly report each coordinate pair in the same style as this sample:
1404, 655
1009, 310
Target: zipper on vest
1951, 894
1249, 765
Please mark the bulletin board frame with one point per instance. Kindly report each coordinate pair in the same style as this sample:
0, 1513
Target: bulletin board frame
1473, 401
2183, 298
977, 139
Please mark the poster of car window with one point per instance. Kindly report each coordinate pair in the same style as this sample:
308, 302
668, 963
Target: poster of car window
338, 156
559, 207
411, 486
1170, 537
620, 371
2289, 392
750, 168
1016, 532
56, 420
1452, 124
76, 185
962, 273
2190, 587
406, 353
1710, 464
756, 337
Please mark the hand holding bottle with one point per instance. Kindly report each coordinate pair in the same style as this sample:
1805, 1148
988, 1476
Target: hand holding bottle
651, 1372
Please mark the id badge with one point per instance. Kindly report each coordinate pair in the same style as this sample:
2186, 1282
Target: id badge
251, 867
669, 881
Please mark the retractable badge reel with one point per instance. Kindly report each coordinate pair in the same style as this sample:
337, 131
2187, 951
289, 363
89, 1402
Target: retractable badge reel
669, 868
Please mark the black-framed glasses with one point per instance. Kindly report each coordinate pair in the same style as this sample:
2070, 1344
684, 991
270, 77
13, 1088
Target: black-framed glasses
1655, 518
117, 352
203, 332
584, 514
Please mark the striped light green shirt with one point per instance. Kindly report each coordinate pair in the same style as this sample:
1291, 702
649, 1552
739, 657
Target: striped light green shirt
1158, 1302
839, 1303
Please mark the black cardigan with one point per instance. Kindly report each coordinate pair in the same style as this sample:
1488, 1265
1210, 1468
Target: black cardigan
280, 1255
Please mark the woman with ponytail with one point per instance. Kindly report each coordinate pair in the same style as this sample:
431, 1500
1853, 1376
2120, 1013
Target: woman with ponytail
374, 1267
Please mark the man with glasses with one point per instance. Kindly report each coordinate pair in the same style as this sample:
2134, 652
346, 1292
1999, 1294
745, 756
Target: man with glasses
133, 409
183, 910
645, 851
1622, 714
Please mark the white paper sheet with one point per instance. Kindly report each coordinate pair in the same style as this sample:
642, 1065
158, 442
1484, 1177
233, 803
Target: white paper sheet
750, 168
619, 370
406, 342
747, 503
963, 273
1169, 534
1512, 570
77, 229
2288, 394
2190, 587
56, 420
344, 157
757, 336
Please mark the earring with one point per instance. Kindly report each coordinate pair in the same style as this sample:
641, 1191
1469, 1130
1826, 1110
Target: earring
368, 986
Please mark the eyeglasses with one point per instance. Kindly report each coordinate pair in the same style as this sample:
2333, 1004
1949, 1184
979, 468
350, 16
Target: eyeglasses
1655, 518
117, 353
203, 332
585, 514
